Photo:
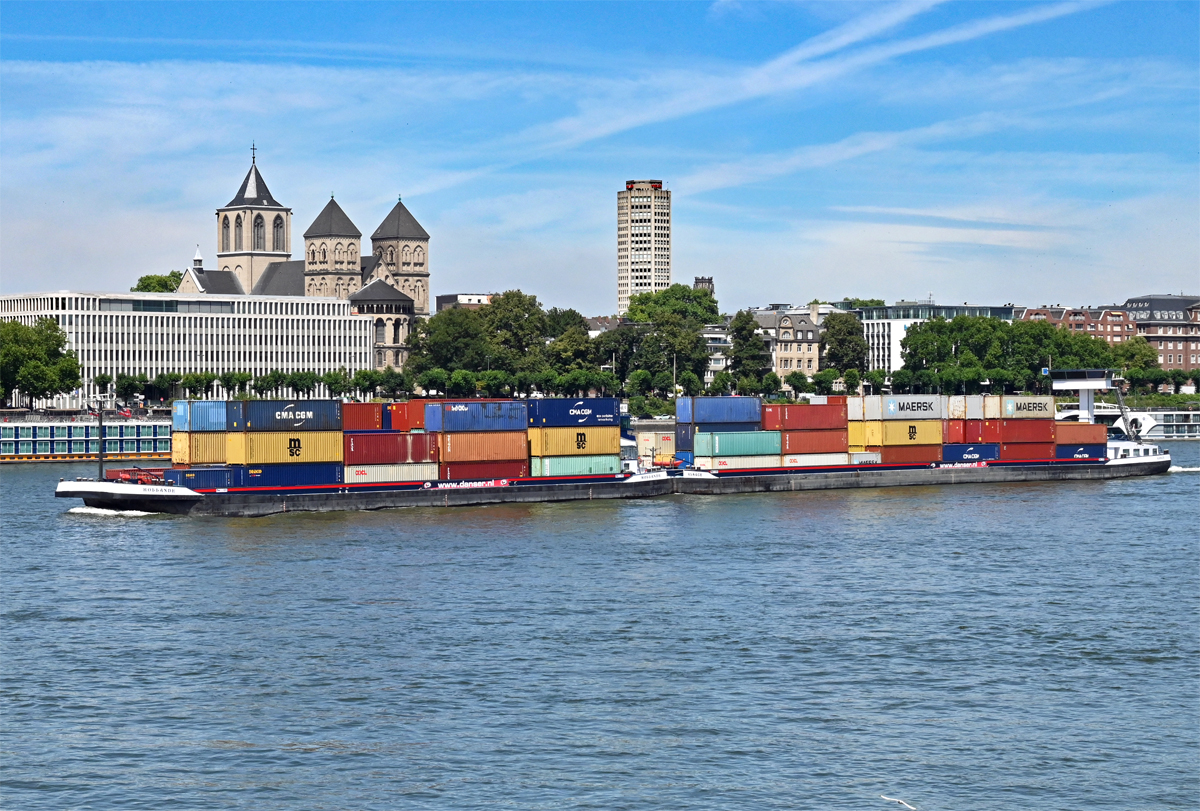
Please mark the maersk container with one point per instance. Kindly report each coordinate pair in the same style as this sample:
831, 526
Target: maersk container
970, 452
380, 474
198, 448
737, 462
362, 417
302, 475
814, 459
913, 407
576, 441
1081, 451
866, 457
1022, 430
483, 446
868, 433
1080, 433
1028, 408
198, 415
1027, 450
910, 454
292, 415
390, 448
912, 432
200, 478
283, 447
476, 415
687, 458
743, 443
561, 412
516, 469
815, 442
574, 465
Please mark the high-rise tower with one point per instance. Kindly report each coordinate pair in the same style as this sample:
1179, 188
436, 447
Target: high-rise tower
643, 240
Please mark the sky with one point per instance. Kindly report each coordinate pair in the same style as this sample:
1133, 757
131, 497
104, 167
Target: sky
1027, 153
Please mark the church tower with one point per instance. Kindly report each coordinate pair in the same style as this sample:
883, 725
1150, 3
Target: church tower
401, 249
332, 264
253, 230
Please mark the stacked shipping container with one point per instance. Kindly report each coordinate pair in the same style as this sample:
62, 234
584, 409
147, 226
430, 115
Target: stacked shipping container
574, 437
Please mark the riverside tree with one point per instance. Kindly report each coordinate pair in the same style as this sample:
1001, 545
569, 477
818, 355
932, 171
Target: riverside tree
842, 343
34, 360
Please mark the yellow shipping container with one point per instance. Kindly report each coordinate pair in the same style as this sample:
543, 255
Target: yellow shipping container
597, 440
867, 433
198, 448
278, 447
916, 432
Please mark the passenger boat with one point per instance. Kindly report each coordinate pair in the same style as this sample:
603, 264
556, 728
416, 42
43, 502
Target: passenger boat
31, 437
1156, 424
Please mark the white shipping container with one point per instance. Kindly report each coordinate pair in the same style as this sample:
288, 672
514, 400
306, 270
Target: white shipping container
735, 462
866, 458
818, 399
378, 474
914, 407
991, 406
873, 408
651, 443
956, 409
974, 407
814, 459
854, 409
1039, 407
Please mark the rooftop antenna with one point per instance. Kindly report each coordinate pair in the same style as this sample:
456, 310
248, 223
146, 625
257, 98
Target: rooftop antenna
253, 150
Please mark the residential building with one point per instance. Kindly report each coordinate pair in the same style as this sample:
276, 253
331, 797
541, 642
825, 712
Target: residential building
1113, 324
1172, 326
885, 327
792, 336
716, 337
463, 301
605, 323
643, 240
705, 283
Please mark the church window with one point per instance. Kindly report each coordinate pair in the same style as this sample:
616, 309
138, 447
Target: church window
406, 256
237, 234
260, 233
312, 255
350, 252
380, 331
391, 256
337, 253
396, 331
324, 254
225, 235
418, 257
278, 237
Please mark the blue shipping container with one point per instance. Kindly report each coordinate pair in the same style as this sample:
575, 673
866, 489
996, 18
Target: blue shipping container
685, 432
476, 416
683, 436
683, 409
718, 409
198, 415
304, 473
293, 415
203, 478
970, 453
687, 457
564, 412
1081, 452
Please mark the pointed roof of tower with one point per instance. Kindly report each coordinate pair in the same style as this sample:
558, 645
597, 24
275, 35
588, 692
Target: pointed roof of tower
332, 222
399, 224
254, 192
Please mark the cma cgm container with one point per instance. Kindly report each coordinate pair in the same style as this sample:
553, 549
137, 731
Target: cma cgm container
1010, 451
743, 443
379, 474
1080, 433
476, 415
1028, 408
1081, 451
736, 462
718, 409
574, 465
287, 475
198, 415
910, 454
804, 417
913, 407
362, 417
1027, 431
198, 448
406, 416
578, 441
200, 478
391, 448
558, 412
484, 470
970, 452
285, 415
821, 442
814, 459
283, 447
916, 432
866, 433
483, 446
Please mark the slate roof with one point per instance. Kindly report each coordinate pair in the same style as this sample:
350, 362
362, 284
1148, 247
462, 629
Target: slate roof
219, 282
332, 222
379, 290
368, 263
400, 224
254, 192
281, 279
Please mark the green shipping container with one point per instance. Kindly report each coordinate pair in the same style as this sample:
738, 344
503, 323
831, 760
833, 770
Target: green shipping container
739, 443
574, 465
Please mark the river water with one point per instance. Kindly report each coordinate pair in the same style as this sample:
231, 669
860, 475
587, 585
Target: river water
1007, 647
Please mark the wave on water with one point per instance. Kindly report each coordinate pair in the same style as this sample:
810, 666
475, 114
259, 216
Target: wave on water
1178, 469
103, 513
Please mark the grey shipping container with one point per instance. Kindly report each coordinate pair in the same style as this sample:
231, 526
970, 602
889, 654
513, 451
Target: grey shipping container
914, 407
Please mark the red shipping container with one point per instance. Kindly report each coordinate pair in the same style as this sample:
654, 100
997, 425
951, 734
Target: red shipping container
911, 454
814, 417
816, 441
1027, 450
407, 416
836, 399
972, 431
1080, 433
362, 416
389, 448
991, 431
772, 418
485, 470
954, 432
1021, 431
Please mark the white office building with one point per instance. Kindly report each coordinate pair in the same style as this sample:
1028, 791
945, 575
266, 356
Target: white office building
643, 240
885, 327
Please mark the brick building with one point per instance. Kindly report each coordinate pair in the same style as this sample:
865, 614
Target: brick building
1113, 324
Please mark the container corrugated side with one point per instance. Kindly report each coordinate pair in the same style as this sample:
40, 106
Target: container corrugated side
814, 459
956, 409
292, 475
683, 409
1023, 430
378, 474
198, 448
483, 446
194, 416
812, 417
574, 465
913, 407
866, 457
577, 441
865, 433
772, 417
914, 432
954, 431
1077, 451
482, 415
970, 452
389, 448
726, 409
560, 412
179, 415
854, 408
910, 454
293, 415
282, 447
1028, 408
1081, 433
992, 407
651, 443
201, 478
685, 457
515, 469
742, 443
362, 417
819, 442
1014, 451
974, 407
736, 462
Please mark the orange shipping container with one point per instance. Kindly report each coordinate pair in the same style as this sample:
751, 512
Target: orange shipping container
815, 441
1081, 433
483, 446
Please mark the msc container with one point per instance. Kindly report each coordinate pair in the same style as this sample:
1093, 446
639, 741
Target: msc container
718, 409
964, 452
282, 447
686, 457
737, 462
198, 415
362, 417
476, 415
376, 474
819, 442
287, 475
484, 470
1073, 451
574, 465
558, 412
406, 416
865, 433
972, 430
198, 448
652, 443
814, 459
910, 454
913, 407
743, 443
482, 446
1022, 430
804, 417
1027, 450
1028, 408
954, 431
199, 478
290, 415
992, 406
916, 432
390, 448
579, 441
1080, 433
866, 457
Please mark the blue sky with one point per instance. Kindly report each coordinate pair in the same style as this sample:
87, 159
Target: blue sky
1035, 153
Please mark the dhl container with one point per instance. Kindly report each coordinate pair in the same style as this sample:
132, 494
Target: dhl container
199, 478
866, 433
193, 416
302, 475
514, 469
742, 443
992, 407
389, 448
972, 430
737, 462
1080, 433
1028, 408
819, 442
718, 409
814, 459
1022, 430
965, 407
582, 440
1010, 451
561, 412
990, 431
282, 447
377, 474
1095, 451
804, 417
406, 416
284, 415
866, 458
482, 446
916, 432
954, 431
656, 442
476, 415
198, 448
602, 464
910, 454
965, 452
913, 407
362, 416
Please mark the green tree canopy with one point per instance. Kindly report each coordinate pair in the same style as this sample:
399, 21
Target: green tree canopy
559, 321
452, 339
842, 342
695, 307
1135, 353
35, 360
748, 356
516, 329
152, 283
859, 303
